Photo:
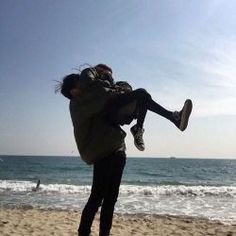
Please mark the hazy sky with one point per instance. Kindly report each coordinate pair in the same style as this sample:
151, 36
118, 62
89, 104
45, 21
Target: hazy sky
175, 49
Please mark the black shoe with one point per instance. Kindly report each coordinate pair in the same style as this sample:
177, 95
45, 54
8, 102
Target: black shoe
137, 132
181, 117
104, 232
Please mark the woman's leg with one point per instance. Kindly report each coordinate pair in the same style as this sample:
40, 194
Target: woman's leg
133, 105
144, 103
179, 118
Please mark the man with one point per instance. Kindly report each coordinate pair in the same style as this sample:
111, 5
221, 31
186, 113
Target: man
99, 143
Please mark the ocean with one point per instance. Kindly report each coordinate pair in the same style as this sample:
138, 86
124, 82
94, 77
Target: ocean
202, 188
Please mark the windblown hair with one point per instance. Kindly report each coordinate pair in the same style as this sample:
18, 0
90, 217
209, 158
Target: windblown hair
68, 83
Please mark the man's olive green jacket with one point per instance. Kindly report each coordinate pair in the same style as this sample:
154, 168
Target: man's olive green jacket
95, 138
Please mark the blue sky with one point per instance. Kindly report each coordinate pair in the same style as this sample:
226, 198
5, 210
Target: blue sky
175, 49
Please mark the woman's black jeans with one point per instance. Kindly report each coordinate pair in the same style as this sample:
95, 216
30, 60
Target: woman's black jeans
107, 174
143, 102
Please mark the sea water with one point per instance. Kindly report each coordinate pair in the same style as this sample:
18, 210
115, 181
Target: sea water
202, 188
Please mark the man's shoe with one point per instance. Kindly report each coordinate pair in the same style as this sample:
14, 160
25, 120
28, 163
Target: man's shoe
104, 232
137, 132
181, 117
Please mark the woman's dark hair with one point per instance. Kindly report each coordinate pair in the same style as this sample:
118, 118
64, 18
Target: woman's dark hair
103, 67
69, 82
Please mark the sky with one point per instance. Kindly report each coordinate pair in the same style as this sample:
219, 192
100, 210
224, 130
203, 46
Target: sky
174, 49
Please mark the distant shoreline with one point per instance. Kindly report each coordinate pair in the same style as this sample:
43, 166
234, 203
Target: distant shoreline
137, 157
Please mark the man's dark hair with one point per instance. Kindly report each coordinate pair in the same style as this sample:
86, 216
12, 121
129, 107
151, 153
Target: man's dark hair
69, 82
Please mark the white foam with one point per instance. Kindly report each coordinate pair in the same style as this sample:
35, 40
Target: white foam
180, 190
25, 186
127, 190
197, 201
213, 202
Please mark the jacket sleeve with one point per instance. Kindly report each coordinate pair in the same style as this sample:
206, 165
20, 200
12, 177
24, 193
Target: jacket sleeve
123, 86
89, 77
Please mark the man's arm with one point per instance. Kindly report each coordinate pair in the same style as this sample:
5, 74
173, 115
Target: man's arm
89, 77
123, 86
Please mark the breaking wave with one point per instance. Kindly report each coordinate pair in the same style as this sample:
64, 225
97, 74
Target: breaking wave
125, 190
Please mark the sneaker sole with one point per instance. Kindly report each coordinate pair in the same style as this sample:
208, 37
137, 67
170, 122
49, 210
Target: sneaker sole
140, 149
186, 112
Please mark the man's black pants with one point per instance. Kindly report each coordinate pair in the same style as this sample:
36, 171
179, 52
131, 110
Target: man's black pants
107, 174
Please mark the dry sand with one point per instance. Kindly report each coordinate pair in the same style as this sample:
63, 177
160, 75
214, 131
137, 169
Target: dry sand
51, 222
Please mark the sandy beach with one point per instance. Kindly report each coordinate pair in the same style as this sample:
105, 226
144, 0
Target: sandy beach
52, 222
